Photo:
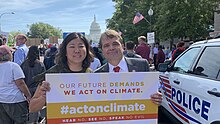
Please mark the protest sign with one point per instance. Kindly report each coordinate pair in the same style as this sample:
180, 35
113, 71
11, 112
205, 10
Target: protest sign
102, 98
151, 37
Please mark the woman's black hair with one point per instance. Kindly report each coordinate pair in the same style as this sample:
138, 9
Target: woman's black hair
33, 55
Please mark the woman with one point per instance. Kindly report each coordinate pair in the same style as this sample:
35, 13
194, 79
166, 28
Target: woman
73, 57
13, 90
31, 67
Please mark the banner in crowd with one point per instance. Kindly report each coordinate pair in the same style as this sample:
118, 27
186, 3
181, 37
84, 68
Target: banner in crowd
102, 98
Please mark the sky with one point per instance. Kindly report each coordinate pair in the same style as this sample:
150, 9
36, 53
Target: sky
68, 15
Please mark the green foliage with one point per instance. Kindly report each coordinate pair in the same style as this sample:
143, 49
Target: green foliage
185, 19
43, 31
11, 37
171, 19
123, 18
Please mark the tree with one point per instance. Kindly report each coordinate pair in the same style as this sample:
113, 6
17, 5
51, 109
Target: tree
185, 19
190, 19
43, 31
124, 15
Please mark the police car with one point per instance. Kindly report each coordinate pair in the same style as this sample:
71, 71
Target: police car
191, 85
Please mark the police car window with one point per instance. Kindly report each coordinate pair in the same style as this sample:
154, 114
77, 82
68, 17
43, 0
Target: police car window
184, 63
209, 63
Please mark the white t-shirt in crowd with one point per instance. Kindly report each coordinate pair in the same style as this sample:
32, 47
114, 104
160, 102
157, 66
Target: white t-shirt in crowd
95, 64
9, 92
155, 50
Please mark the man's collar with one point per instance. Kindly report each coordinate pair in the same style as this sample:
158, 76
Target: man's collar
122, 64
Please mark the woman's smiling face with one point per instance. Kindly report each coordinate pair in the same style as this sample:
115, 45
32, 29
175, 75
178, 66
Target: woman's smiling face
76, 51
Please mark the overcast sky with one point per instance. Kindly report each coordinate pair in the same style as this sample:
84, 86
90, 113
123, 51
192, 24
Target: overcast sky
68, 15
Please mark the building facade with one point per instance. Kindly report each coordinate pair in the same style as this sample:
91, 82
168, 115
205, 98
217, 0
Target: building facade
94, 32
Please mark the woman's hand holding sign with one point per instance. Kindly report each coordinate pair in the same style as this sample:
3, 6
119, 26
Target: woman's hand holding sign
45, 87
39, 98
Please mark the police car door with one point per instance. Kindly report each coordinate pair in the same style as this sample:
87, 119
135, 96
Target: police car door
200, 93
176, 100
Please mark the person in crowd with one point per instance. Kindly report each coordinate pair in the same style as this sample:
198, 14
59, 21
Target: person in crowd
50, 57
95, 62
173, 47
31, 67
166, 52
1, 41
160, 56
21, 52
42, 47
171, 52
73, 57
49, 45
130, 50
180, 48
14, 93
151, 56
143, 49
99, 55
112, 49
155, 52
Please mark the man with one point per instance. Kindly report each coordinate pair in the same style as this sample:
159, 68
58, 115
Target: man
112, 49
130, 50
143, 49
22, 50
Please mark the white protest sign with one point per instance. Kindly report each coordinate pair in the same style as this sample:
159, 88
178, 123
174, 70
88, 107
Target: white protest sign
150, 37
102, 98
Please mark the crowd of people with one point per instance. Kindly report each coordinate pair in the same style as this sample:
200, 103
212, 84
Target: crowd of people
153, 53
22, 79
